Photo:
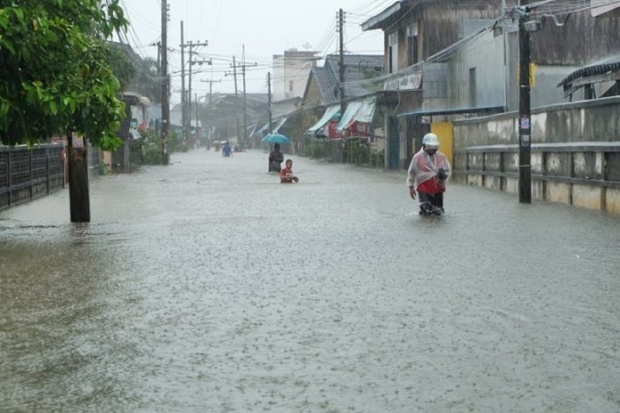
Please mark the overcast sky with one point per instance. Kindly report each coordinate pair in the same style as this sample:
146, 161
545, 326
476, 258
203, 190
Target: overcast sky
265, 27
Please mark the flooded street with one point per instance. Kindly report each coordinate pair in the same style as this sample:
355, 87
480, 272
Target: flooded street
206, 286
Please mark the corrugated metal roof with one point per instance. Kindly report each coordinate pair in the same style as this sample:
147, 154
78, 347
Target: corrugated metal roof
609, 65
327, 83
380, 20
453, 111
357, 68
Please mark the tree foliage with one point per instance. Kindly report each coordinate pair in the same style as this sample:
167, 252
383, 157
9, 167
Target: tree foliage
55, 73
147, 80
122, 66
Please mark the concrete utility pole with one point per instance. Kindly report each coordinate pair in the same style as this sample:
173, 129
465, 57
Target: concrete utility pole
234, 74
183, 109
210, 112
341, 64
526, 26
341, 72
165, 84
192, 62
243, 66
269, 100
186, 95
245, 109
196, 100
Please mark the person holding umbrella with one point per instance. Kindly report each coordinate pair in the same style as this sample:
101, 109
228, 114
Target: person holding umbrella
275, 159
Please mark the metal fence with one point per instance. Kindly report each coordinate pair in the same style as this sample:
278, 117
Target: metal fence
30, 173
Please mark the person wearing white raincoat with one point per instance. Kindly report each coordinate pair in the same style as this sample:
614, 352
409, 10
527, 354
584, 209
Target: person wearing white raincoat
428, 172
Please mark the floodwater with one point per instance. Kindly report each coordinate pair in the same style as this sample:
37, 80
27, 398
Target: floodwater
206, 286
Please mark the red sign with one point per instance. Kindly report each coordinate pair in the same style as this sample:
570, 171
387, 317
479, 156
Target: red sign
332, 128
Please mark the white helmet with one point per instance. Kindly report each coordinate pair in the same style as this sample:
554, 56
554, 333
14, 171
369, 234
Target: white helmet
430, 139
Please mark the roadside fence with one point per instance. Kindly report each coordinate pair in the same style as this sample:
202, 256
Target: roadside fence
30, 173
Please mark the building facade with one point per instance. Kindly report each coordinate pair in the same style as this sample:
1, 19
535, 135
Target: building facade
464, 59
290, 71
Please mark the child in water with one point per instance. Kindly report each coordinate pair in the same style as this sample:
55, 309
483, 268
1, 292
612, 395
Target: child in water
286, 174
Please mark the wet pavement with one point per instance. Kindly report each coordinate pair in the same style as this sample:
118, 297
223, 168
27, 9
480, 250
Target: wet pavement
206, 286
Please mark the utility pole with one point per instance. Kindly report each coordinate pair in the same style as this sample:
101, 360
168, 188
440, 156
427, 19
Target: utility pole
526, 26
211, 82
192, 62
341, 72
245, 105
269, 100
234, 66
243, 66
341, 64
210, 112
183, 109
165, 84
196, 100
188, 102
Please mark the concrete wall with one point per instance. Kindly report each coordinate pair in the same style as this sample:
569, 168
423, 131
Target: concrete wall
485, 56
575, 153
497, 84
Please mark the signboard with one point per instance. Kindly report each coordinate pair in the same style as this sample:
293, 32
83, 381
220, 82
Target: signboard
409, 82
532, 76
77, 141
525, 140
332, 130
525, 123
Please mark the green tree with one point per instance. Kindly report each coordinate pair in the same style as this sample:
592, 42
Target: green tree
147, 80
54, 70
55, 77
122, 66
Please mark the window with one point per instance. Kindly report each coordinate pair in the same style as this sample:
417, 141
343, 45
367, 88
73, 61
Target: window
393, 52
290, 86
412, 44
472, 87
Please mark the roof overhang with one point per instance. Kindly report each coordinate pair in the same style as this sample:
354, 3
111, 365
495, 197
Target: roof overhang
605, 8
383, 19
358, 111
134, 99
487, 110
603, 72
330, 113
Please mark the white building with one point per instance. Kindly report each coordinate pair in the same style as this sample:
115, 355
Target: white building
290, 73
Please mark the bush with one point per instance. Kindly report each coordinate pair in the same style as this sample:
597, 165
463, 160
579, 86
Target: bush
147, 149
317, 150
378, 159
357, 152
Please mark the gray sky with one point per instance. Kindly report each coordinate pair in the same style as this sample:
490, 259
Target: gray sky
265, 27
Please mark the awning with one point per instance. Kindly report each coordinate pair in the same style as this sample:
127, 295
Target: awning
252, 129
358, 111
280, 123
329, 114
605, 71
486, 110
275, 126
383, 19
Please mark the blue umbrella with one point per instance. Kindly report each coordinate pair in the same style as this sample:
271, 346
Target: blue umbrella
275, 138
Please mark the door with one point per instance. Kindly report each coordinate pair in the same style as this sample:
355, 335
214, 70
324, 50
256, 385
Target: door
394, 143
